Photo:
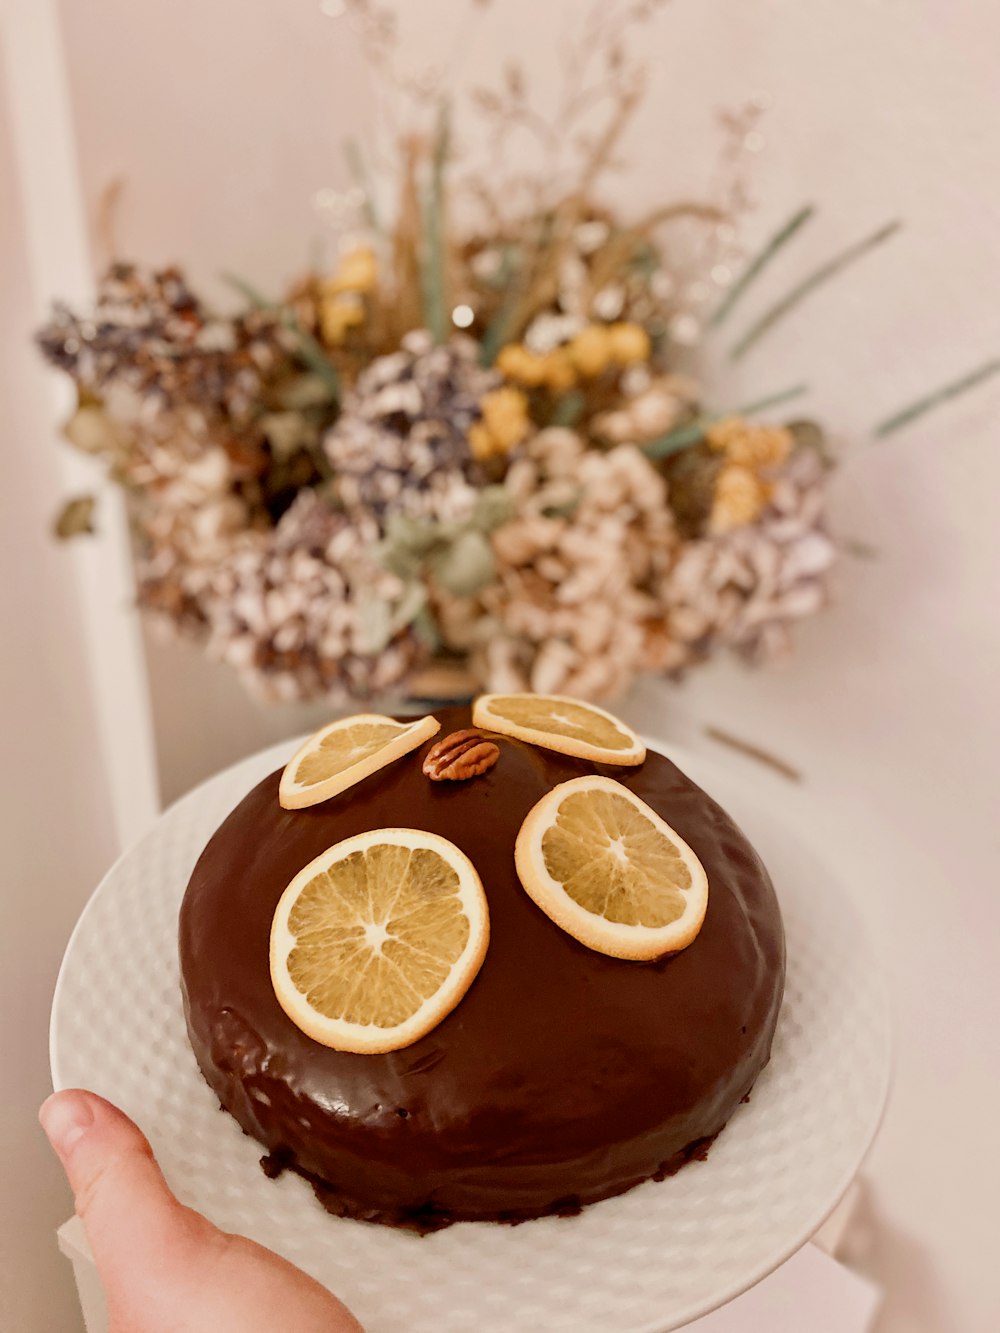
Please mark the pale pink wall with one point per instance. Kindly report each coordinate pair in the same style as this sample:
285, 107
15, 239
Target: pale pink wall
222, 118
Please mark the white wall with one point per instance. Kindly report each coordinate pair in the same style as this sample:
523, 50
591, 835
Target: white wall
55, 821
226, 117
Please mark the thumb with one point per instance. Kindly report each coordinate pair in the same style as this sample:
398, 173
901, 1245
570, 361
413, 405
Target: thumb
129, 1214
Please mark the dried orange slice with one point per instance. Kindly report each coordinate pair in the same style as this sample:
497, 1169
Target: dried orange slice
378, 938
610, 871
560, 723
346, 751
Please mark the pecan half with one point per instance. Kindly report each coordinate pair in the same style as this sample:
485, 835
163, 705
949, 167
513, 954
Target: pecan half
463, 754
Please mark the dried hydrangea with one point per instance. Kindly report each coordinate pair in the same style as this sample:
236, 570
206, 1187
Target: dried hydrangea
290, 609
745, 586
151, 334
401, 442
571, 610
656, 407
573, 574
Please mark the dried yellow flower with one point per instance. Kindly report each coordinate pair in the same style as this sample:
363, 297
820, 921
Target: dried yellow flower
552, 370
558, 371
591, 350
505, 423
481, 442
629, 343
739, 497
357, 271
751, 446
517, 363
338, 314
725, 432
511, 359
505, 412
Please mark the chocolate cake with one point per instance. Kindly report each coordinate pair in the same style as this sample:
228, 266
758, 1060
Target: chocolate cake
563, 1076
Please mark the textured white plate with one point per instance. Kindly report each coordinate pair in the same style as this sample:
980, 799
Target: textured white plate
646, 1262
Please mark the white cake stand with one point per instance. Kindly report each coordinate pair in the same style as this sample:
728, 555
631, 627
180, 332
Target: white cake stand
647, 1262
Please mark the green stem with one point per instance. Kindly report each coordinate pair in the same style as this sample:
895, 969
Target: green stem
435, 300
310, 351
769, 400
907, 414
808, 285
312, 354
684, 437
496, 333
249, 292
568, 409
516, 278
760, 262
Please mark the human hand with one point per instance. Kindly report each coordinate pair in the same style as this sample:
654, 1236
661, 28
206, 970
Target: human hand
164, 1267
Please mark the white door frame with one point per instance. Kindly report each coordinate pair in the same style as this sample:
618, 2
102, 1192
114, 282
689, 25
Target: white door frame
59, 264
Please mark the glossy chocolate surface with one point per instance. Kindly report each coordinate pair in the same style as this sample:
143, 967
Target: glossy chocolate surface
562, 1077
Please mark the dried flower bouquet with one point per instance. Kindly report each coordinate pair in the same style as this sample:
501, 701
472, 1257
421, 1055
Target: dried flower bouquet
465, 444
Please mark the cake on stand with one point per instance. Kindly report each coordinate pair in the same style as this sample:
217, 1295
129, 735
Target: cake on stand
664, 1256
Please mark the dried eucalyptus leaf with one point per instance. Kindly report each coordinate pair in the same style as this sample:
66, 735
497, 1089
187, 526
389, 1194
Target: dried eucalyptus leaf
405, 546
413, 534
465, 567
566, 509
408, 607
375, 620
300, 392
92, 430
494, 505
398, 559
76, 518
381, 621
810, 435
425, 628
287, 433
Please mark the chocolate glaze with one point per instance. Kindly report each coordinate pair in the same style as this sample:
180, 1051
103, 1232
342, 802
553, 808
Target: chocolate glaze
562, 1077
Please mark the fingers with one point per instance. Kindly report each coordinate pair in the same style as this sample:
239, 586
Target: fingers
163, 1266
131, 1218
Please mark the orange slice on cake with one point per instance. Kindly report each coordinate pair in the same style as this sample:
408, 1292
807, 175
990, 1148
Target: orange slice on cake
607, 869
377, 939
346, 751
559, 723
